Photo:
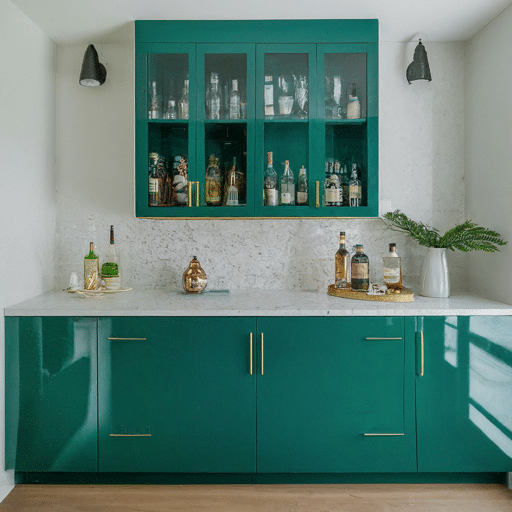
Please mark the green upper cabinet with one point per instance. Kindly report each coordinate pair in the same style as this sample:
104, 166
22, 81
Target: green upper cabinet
214, 99
464, 394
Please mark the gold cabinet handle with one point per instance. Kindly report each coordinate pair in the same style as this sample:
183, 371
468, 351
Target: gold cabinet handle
251, 355
318, 194
262, 353
422, 372
126, 339
189, 193
383, 339
370, 434
130, 435
197, 193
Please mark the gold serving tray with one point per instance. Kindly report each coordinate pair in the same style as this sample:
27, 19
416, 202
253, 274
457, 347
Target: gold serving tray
405, 295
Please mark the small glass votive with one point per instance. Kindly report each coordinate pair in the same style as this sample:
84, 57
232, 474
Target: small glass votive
73, 281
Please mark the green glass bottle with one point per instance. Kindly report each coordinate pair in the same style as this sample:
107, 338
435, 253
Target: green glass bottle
360, 270
91, 269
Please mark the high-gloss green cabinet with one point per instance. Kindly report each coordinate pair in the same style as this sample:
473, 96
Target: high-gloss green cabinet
51, 412
464, 393
297, 82
336, 395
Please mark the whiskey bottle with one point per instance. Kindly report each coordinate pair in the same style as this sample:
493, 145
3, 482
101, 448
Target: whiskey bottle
110, 272
354, 188
392, 269
91, 269
287, 190
360, 271
270, 180
213, 182
302, 187
153, 181
342, 265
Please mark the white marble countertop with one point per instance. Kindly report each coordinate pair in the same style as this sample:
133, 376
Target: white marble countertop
246, 303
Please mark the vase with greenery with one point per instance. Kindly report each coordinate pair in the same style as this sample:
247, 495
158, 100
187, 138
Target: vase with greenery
464, 237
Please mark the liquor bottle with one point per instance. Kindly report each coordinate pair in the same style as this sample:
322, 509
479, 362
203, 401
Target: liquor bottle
110, 268
392, 269
269, 95
170, 111
353, 105
153, 181
91, 269
213, 182
270, 180
333, 191
154, 103
232, 191
354, 188
302, 187
234, 101
183, 103
287, 186
215, 99
360, 270
342, 265
337, 172
344, 186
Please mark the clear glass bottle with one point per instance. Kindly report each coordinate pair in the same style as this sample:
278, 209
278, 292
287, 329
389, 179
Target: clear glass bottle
269, 95
392, 269
232, 190
344, 186
154, 102
342, 265
213, 181
333, 191
270, 180
354, 188
170, 111
287, 186
360, 270
336, 95
91, 269
234, 101
215, 98
153, 181
353, 105
110, 269
183, 103
302, 187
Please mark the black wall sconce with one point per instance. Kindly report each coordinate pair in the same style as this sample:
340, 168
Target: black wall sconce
419, 69
93, 73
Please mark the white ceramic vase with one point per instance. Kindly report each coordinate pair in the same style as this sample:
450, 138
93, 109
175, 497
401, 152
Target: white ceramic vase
435, 281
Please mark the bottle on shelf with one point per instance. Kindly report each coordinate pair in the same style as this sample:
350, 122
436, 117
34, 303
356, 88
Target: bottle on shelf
270, 180
392, 269
170, 110
232, 190
213, 181
91, 269
234, 101
110, 272
333, 191
302, 187
215, 98
344, 186
153, 181
354, 188
183, 103
154, 102
353, 105
269, 95
336, 96
360, 270
287, 186
342, 265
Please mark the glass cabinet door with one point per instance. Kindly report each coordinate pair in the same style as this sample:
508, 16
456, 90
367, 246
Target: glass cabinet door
348, 184
166, 112
286, 82
225, 130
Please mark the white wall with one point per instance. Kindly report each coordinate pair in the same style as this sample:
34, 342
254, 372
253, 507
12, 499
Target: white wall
421, 172
488, 154
27, 169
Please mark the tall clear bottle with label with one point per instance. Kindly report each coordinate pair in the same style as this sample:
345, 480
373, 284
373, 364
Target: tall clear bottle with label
354, 188
287, 186
302, 187
183, 103
234, 101
360, 270
270, 183
342, 265
392, 269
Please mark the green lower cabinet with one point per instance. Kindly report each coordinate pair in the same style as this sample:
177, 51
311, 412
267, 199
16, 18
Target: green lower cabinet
464, 397
217, 396
336, 395
56, 400
138, 395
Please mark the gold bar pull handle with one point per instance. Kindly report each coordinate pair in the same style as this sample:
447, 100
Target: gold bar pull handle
126, 339
370, 434
422, 371
189, 193
382, 339
197, 193
317, 185
262, 354
131, 435
251, 355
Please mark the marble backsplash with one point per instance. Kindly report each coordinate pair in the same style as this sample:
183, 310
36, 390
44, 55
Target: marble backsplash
291, 254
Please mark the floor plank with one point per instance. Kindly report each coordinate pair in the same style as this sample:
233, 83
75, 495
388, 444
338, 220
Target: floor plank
260, 498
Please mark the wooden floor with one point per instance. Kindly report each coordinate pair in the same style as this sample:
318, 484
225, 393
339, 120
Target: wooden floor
260, 498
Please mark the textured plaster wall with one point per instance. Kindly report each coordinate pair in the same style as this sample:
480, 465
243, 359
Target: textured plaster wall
421, 172
27, 169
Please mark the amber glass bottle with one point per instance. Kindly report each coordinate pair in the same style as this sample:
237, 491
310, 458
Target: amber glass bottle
342, 265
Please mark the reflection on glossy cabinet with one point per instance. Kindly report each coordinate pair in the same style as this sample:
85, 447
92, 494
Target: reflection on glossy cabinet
464, 394
237, 90
54, 426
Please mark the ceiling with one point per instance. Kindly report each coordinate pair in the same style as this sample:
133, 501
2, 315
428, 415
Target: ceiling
111, 21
